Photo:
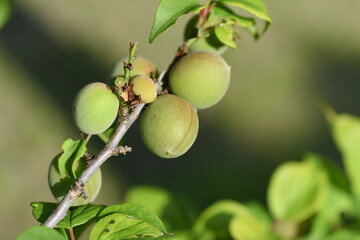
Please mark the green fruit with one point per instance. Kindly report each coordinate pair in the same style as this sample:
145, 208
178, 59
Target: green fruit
145, 87
201, 78
140, 66
169, 126
60, 183
95, 108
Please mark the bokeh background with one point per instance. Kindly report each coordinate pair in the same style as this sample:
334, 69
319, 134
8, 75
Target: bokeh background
50, 49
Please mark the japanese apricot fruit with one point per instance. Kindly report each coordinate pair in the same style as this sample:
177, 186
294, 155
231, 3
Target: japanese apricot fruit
95, 108
169, 126
145, 87
201, 78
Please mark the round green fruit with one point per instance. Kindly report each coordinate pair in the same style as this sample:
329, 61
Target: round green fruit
141, 65
60, 183
95, 108
169, 126
201, 78
145, 87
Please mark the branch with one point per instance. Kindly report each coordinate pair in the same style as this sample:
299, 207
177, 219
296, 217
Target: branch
77, 189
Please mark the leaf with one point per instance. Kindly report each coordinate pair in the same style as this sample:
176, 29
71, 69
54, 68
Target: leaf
5, 12
127, 221
346, 133
256, 7
40, 233
42, 210
83, 214
136, 211
225, 34
344, 235
221, 13
173, 212
168, 12
213, 223
247, 225
72, 151
296, 191
74, 217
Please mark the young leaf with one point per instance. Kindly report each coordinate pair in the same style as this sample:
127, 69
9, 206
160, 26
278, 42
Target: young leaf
72, 151
135, 211
296, 191
214, 222
168, 12
42, 210
256, 7
225, 34
40, 233
221, 13
346, 133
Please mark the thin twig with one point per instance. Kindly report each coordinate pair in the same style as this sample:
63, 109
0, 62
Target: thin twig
77, 189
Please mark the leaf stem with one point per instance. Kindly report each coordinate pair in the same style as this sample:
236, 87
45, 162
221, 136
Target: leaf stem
72, 235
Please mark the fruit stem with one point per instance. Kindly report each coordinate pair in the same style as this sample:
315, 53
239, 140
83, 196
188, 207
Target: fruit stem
128, 65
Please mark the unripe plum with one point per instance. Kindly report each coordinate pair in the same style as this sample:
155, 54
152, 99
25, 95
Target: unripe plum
95, 108
141, 65
169, 126
60, 183
145, 87
201, 78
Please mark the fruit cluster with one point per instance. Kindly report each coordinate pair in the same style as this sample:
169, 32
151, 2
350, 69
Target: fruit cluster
168, 126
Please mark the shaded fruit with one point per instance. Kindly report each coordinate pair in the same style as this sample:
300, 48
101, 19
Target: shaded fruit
145, 87
201, 78
141, 65
60, 183
169, 126
95, 108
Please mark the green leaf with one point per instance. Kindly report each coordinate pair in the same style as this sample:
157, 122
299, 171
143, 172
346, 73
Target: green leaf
83, 214
346, 133
40, 233
256, 7
42, 210
296, 191
173, 212
5, 12
127, 221
214, 222
74, 217
72, 152
105, 136
135, 211
168, 12
247, 225
344, 235
221, 13
225, 34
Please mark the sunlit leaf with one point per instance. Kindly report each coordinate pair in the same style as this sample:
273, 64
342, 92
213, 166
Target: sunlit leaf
225, 34
5, 12
40, 233
296, 191
168, 12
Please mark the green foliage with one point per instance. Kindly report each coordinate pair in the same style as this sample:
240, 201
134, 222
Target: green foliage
168, 12
40, 233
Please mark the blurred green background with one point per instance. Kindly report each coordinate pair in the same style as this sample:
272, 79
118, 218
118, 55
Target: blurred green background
50, 49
